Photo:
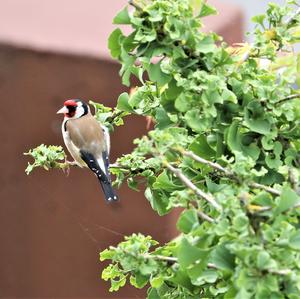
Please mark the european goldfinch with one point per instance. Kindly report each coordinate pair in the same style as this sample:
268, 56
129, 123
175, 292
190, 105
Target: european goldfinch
88, 142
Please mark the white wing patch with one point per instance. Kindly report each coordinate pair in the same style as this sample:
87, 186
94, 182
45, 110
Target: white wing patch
102, 166
106, 138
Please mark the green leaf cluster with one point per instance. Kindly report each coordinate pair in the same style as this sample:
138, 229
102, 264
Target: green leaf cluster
46, 157
225, 148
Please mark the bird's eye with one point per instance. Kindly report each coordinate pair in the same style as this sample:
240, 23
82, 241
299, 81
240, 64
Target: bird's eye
71, 108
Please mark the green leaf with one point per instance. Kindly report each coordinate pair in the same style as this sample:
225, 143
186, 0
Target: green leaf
157, 75
294, 240
132, 184
206, 45
207, 10
114, 43
259, 19
222, 258
117, 284
182, 279
123, 103
182, 103
229, 96
157, 281
193, 119
188, 221
158, 200
201, 147
264, 260
208, 276
235, 142
173, 90
122, 17
164, 182
233, 136
240, 222
152, 294
162, 118
188, 254
287, 200
138, 280
106, 255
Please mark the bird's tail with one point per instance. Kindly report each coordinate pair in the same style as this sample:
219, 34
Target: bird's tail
108, 191
104, 180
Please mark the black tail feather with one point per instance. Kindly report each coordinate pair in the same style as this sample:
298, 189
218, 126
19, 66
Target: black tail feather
108, 191
104, 180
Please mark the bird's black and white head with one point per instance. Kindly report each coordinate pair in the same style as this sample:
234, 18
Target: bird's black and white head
74, 108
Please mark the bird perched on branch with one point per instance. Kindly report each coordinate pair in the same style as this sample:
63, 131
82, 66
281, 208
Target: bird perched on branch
88, 142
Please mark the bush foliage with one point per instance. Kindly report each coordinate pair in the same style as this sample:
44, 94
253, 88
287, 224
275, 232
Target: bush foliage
225, 149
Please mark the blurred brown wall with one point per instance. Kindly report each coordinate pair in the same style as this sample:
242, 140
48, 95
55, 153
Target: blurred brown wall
52, 227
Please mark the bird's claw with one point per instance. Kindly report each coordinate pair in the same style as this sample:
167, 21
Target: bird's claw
66, 170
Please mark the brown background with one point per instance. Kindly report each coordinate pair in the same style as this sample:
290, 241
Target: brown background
52, 227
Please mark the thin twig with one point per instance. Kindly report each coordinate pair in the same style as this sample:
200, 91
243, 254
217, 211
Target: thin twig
208, 197
200, 214
114, 116
293, 178
209, 163
228, 172
205, 217
136, 6
265, 188
280, 272
288, 98
161, 258
171, 259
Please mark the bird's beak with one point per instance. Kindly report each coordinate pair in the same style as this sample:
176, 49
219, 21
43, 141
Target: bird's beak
64, 109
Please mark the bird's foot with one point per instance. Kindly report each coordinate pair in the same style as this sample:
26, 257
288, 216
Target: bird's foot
71, 163
66, 170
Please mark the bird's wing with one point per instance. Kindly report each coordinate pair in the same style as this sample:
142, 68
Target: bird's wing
106, 138
105, 182
105, 154
87, 135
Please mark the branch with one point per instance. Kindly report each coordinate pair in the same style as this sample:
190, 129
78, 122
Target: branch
288, 98
280, 271
136, 6
208, 197
161, 258
293, 178
117, 114
228, 173
205, 217
171, 259
265, 188
209, 163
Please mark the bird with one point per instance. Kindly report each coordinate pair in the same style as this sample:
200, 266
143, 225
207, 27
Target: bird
88, 142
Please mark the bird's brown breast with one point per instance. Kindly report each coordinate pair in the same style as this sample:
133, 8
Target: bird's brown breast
86, 133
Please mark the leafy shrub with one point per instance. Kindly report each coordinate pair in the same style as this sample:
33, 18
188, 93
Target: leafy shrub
225, 148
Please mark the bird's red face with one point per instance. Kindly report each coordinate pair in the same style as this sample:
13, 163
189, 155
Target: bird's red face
74, 108
69, 108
